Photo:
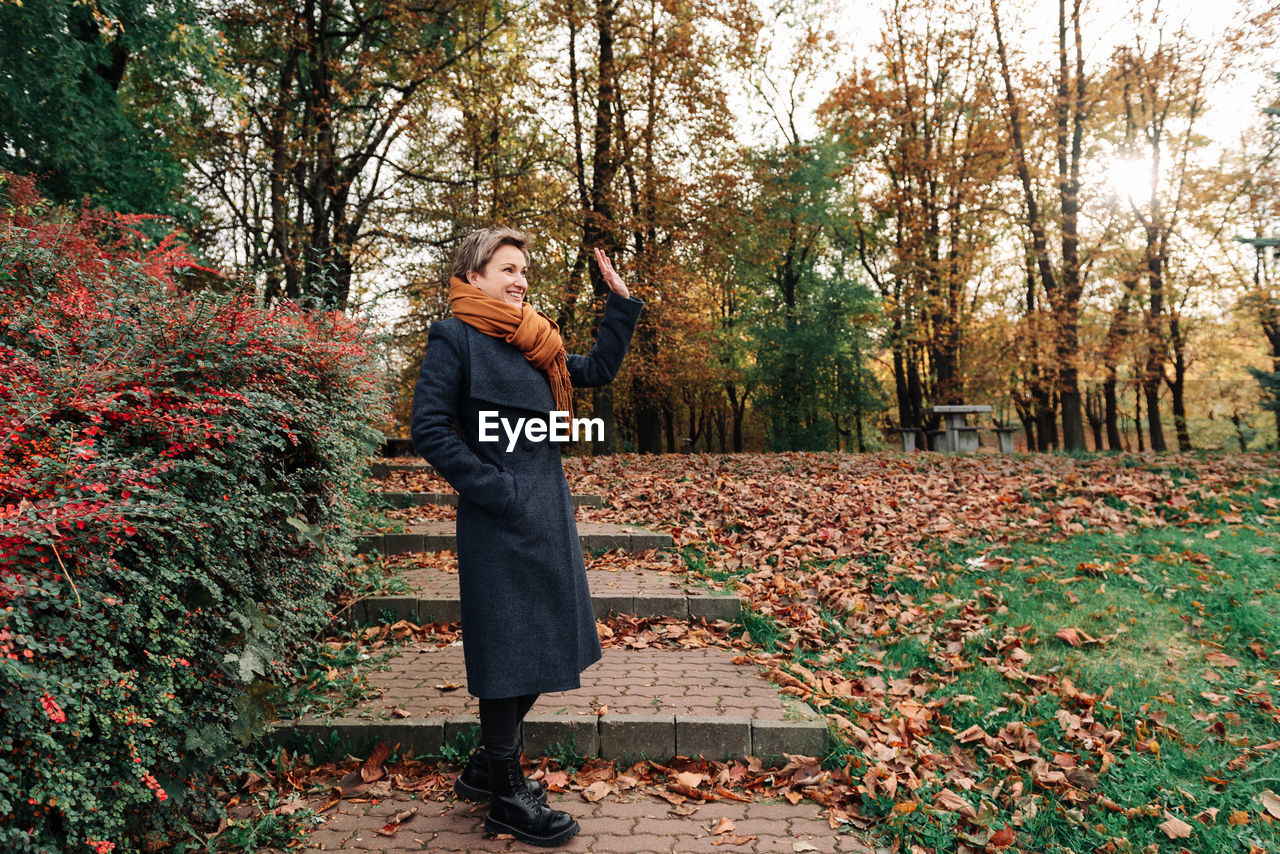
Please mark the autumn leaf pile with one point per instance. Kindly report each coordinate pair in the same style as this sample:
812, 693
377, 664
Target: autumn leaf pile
846, 555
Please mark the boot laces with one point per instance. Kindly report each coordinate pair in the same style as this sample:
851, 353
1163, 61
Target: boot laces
515, 779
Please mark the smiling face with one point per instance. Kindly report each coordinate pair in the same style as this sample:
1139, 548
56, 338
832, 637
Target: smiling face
503, 278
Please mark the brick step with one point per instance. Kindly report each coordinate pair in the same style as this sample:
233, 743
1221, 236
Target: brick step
383, 469
433, 598
420, 499
434, 536
659, 703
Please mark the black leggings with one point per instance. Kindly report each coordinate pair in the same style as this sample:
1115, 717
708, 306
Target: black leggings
500, 720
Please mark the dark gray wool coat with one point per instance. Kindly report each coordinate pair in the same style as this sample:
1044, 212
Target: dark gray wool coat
527, 622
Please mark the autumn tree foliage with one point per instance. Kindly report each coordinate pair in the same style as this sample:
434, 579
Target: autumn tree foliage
178, 475
301, 164
88, 92
921, 120
968, 161
646, 149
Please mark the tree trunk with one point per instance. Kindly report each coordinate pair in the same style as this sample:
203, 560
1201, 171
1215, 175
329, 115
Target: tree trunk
1153, 371
648, 419
1241, 438
737, 411
905, 416
1270, 315
1112, 409
1046, 418
1067, 302
1094, 411
1118, 329
1137, 416
915, 402
1068, 379
602, 408
1177, 385
597, 228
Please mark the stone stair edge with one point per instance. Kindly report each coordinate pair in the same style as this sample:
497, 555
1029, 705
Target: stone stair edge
609, 736
410, 541
403, 500
420, 610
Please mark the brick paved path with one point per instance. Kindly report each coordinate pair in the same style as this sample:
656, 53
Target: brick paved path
644, 584
658, 702
608, 827
637, 579
436, 534
670, 681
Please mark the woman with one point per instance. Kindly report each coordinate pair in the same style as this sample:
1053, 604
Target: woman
527, 622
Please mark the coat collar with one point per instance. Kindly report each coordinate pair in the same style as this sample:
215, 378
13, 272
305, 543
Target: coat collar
501, 374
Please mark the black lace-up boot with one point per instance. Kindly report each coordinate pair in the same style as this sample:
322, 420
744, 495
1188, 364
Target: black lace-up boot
473, 783
513, 810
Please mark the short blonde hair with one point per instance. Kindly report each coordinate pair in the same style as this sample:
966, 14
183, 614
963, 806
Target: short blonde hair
478, 247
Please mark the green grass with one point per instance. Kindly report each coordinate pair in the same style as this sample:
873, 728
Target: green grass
1163, 598
267, 829
695, 561
372, 576
566, 754
316, 691
461, 747
764, 630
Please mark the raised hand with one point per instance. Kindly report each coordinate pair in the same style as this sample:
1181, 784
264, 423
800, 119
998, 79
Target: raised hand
611, 277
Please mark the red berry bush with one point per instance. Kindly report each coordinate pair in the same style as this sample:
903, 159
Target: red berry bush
178, 478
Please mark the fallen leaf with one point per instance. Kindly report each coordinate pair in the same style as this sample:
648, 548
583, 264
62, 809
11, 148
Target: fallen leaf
724, 825
1175, 828
1070, 636
371, 769
1221, 659
952, 802
690, 779
1002, 838
255, 782
598, 790
734, 840
1270, 802
390, 828
556, 781
289, 807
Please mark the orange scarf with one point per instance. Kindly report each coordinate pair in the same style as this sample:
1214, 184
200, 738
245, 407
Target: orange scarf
535, 334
